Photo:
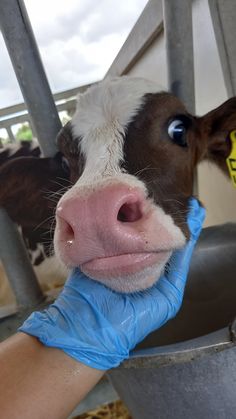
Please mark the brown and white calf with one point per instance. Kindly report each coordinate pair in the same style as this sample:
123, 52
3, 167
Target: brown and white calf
29, 187
21, 149
132, 151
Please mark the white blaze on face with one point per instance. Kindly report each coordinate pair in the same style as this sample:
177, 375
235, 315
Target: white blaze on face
102, 116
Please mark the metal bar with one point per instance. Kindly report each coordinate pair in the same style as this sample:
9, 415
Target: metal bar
10, 135
25, 57
64, 95
179, 47
31, 125
68, 106
17, 265
147, 28
223, 14
5, 123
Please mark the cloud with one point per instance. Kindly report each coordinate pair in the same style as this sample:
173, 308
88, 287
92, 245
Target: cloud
107, 19
57, 19
78, 40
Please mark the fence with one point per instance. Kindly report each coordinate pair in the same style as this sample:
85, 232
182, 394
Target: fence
18, 114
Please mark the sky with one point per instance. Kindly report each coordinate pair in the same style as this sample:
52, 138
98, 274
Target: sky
78, 40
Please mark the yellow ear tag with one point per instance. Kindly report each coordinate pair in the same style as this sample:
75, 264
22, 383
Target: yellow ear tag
231, 160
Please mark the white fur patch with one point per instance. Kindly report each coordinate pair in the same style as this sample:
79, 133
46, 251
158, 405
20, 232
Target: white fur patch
102, 116
38, 252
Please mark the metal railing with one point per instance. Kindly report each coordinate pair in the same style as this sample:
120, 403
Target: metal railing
18, 114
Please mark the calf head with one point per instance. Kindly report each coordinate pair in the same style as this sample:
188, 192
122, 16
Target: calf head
132, 152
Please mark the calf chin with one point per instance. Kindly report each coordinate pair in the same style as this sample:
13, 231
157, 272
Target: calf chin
138, 281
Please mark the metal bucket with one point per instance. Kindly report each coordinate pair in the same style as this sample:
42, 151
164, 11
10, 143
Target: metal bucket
187, 369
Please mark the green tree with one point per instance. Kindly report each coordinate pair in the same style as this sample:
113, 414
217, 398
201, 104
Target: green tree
24, 133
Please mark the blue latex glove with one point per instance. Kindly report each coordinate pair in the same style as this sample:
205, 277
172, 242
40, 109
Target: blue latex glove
98, 326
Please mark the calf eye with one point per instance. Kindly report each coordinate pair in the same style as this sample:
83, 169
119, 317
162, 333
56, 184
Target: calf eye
177, 132
65, 165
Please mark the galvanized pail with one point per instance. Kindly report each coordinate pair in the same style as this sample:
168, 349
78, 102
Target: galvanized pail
187, 369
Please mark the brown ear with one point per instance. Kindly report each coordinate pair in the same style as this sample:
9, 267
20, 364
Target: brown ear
215, 128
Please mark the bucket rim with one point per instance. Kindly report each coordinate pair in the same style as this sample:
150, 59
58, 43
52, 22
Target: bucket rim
186, 351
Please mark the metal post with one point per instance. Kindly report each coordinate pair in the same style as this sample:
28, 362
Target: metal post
17, 265
223, 14
179, 46
25, 57
10, 135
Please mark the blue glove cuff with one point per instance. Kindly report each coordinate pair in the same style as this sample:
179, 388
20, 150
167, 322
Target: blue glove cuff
54, 329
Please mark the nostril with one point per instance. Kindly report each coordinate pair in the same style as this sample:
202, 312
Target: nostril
66, 230
129, 212
69, 233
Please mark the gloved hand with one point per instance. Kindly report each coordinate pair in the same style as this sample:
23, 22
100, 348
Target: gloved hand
98, 326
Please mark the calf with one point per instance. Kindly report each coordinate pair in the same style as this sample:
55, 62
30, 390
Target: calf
29, 188
132, 151
23, 148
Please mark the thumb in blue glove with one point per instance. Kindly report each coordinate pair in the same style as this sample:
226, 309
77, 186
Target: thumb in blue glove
100, 327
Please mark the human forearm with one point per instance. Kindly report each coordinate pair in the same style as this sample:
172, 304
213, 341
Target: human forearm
39, 382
